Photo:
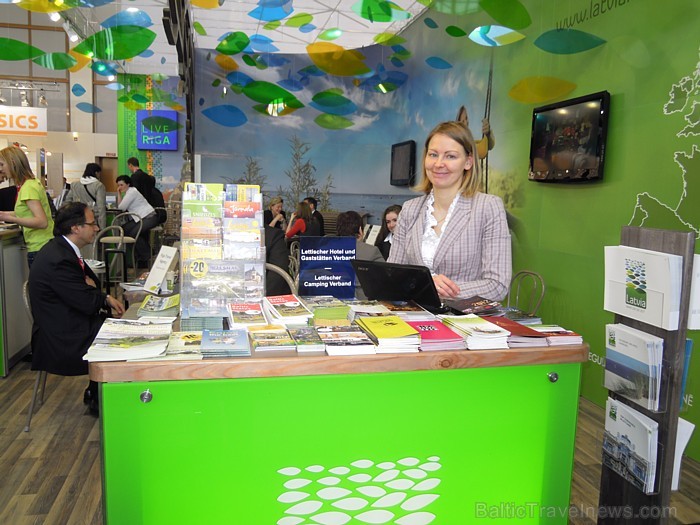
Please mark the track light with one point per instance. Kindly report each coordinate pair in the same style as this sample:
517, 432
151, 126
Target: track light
55, 16
24, 101
3, 100
42, 99
72, 35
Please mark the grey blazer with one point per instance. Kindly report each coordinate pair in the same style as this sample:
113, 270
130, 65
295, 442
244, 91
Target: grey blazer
474, 249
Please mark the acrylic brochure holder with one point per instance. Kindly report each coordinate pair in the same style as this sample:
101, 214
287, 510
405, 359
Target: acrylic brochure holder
615, 491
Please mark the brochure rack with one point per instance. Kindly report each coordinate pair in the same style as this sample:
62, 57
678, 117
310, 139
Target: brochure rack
616, 494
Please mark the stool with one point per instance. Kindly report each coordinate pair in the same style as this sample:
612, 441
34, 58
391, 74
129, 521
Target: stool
116, 252
155, 241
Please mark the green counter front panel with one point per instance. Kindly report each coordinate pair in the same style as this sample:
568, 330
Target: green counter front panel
447, 447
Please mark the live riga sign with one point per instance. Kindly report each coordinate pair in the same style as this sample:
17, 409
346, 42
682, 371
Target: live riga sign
17, 120
156, 129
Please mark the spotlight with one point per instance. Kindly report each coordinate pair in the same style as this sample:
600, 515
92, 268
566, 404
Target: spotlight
3, 100
72, 35
111, 78
42, 99
24, 101
55, 16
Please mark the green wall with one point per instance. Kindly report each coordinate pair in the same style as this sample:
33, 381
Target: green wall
650, 47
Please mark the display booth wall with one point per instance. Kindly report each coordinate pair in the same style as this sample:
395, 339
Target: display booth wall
645, 53
145, 92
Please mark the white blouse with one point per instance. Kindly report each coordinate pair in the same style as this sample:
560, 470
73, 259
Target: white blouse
430, 238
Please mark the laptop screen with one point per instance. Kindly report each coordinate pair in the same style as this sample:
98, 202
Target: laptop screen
111, 199
385, 281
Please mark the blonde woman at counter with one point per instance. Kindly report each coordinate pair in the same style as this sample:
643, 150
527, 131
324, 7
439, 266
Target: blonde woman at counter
32, 210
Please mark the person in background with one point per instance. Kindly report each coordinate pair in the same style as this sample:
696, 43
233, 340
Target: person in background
349, 224
385, 236
58, 201
316, 214
32, 210
68, 306
140, 180
89, 190
459, 233
302, 223
130, 199
277, 253
274, 216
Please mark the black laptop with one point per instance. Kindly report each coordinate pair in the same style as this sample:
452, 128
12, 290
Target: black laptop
383, 281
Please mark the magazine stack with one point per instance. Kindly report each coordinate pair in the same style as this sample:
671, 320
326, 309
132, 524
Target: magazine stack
391, 334
630, 444
346, 340
479, 333
225, 343
435, 336
123, 339
286, 309
633, 361
307, 340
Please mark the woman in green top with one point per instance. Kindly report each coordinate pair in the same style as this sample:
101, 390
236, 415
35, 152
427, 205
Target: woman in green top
32, 211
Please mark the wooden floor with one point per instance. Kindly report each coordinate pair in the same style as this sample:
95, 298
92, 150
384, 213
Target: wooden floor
51, 475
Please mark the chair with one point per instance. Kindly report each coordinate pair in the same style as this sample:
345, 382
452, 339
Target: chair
156, 235
292, 283
118, 221
114, 236
294, 258
40, 382
526, 292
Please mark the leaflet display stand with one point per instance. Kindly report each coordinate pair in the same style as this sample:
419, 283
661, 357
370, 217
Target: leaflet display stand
621, 502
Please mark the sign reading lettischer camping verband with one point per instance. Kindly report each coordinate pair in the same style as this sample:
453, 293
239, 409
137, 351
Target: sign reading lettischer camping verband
325, 267
17, 120
156, 129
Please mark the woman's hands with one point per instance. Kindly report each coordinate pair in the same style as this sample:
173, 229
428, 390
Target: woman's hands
446, 287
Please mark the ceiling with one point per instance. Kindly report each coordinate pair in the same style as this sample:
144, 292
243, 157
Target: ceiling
271, 25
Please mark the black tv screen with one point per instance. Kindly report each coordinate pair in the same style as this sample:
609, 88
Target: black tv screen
568, 139
403, 163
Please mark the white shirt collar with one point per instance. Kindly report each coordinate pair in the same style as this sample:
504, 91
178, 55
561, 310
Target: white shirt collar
75, 248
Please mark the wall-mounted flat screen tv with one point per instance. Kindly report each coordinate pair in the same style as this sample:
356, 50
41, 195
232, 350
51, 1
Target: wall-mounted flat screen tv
403, 163
568, 139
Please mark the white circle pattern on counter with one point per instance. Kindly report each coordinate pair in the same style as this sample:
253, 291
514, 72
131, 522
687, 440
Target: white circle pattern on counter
344, 497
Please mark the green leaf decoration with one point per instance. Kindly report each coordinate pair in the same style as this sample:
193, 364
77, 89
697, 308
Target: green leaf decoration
509, 13
374, 10
330, 34
274, 109
160, 123
455, 31
199, 28
389, 39
249, 60
117, 43
333, 121
266, 92
124, 98
271, 26
139, 98
233, 43
216, 83
299, 20
11, 49
56, 61
567, 41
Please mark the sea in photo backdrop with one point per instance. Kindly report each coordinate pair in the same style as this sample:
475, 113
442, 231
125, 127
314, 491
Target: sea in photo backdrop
372, 205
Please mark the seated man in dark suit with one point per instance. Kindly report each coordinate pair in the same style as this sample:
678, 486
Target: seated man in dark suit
350, 225
67, 304
316, 214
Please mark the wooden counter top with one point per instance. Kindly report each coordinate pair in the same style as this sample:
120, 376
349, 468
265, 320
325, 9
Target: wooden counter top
8, 233
240, 367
